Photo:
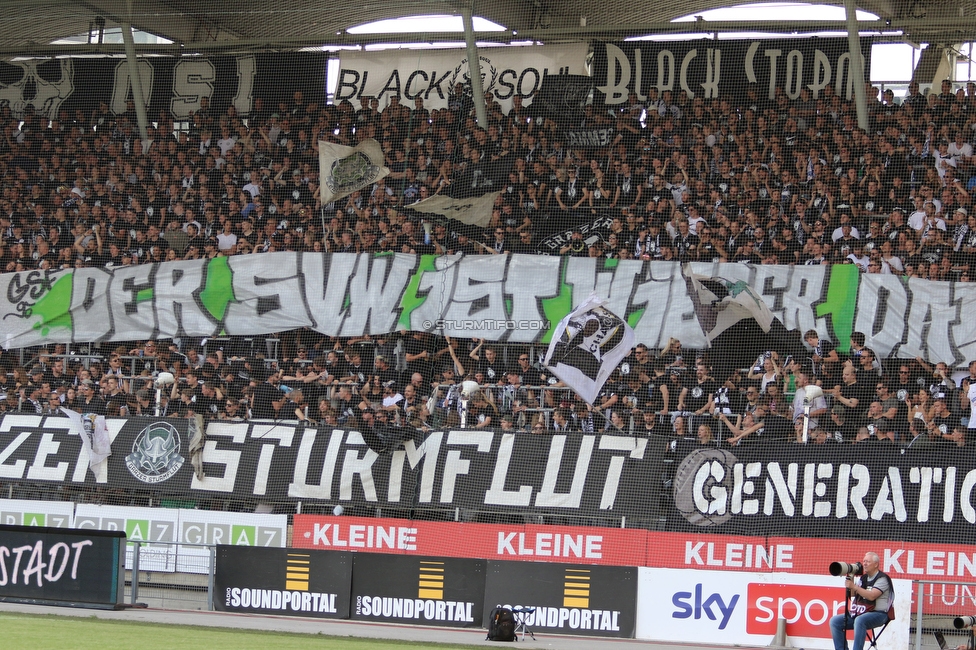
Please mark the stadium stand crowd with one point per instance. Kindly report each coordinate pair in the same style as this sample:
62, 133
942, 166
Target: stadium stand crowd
752, 181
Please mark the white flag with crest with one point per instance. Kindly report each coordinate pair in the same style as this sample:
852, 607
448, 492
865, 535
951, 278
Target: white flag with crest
344, 170
587, 345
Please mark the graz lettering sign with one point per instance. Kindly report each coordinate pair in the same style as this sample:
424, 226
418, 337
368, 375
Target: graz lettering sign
713, 69
250, 295
598, 474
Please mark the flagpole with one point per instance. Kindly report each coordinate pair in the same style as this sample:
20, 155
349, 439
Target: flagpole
474, 66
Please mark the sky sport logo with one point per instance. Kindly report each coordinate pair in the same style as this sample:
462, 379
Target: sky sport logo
485, 324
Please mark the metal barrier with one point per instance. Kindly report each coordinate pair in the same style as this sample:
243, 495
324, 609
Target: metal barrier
149, 587
963, 591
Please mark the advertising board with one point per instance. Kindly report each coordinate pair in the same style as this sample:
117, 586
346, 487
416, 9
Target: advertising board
743, 607
46, 565
282, 581
440, 591
566, 598
170, 535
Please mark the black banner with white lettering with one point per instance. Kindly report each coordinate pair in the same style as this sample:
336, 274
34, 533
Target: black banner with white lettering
588, 600
444, 591
712, 69
282, 581
871, 490
588, 475
61, 566
171, 84
592, 230
589, 138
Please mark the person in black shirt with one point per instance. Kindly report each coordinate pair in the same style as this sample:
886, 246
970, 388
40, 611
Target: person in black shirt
89, 401
267, 399
490, 366
207, 402
576, 246
747, 254
685, 242
699, 393
841, 426
419, 349
850, 393
674, 390
940, 421
528, 374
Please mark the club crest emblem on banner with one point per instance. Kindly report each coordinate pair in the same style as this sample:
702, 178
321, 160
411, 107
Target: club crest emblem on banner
350, 173
155, 453
462, 75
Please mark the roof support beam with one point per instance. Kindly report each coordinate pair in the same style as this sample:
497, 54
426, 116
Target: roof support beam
940, 29
177, 27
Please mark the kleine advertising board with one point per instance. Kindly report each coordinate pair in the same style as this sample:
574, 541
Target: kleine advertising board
569, 544
636, 547
743, 607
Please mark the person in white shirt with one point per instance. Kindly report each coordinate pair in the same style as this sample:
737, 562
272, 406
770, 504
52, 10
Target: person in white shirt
943, 159
226, 240
858, 257
694, 219
960, 150
818, 406
226, 142
839, 230
254, 186
920, 218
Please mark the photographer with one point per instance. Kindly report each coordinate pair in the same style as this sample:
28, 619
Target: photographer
873, 595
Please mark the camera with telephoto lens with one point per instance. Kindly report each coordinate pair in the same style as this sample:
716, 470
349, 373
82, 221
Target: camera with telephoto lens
964, 621
843, 568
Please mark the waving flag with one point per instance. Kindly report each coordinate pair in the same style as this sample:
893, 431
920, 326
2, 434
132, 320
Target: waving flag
94, 435
586, 347
347, 169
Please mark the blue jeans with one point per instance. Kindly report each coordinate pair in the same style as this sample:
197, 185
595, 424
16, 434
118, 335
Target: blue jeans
860, 624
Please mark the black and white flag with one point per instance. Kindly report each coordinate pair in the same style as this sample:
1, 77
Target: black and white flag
473, 210
347, 169
720, 303
587, 345
94, 434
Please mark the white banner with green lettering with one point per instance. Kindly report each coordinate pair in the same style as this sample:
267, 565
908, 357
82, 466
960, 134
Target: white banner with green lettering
513, 298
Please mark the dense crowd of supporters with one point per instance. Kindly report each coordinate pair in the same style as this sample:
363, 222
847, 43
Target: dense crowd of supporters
397, 385
787, 181
743, 180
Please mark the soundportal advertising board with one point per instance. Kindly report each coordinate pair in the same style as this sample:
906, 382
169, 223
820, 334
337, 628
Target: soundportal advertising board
742, 607
566, 598
282, 581
440, 591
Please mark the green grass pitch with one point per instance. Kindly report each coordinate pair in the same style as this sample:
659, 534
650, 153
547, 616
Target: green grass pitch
36, 632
